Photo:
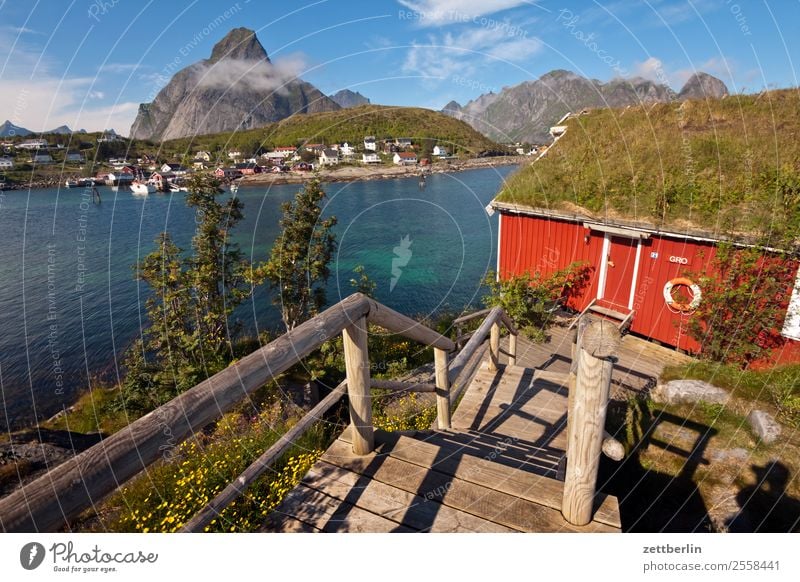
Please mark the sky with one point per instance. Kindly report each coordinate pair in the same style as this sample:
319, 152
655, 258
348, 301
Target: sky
89, 63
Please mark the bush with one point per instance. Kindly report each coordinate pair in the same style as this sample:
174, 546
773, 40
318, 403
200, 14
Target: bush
530, 299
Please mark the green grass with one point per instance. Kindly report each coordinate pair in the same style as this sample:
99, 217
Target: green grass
778, 386
731, 166
350, 125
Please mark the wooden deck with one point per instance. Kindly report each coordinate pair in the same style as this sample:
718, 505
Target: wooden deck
495, 470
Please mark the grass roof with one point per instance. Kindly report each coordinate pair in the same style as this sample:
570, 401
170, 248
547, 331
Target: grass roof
728, 166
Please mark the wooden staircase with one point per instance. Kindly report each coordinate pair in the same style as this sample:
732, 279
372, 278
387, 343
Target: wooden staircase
493, 471
621, 315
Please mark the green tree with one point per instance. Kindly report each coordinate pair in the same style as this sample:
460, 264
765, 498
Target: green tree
189, 337
298, 265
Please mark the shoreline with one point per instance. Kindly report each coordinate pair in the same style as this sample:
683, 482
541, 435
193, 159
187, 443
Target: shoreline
380, 172
339, 174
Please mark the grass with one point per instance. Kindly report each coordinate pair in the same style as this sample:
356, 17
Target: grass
778, 386
731, 166
350, 125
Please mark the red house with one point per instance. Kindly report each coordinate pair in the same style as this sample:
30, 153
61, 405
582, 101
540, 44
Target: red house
634, 268
639, 266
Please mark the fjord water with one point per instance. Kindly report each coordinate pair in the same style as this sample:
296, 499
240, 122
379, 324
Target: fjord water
69, 304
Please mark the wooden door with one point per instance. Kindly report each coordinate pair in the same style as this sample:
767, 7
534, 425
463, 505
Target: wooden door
620, 268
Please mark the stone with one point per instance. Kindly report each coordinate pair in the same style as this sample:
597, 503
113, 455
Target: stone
689, 391
764, 426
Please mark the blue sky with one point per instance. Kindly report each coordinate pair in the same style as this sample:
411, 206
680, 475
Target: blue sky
89, 63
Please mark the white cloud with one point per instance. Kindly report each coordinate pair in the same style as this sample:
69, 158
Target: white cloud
259, 75
463, 54
35, 96
120, 67
439, 12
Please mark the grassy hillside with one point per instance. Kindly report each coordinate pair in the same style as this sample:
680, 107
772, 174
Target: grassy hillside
730, 166
349, 125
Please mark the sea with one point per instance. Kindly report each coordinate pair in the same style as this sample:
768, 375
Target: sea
70, 305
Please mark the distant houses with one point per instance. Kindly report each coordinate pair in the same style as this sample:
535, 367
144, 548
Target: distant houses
248, 168
74, 158
370, 144
440, 151
6, 164
177, 169
32, 144
370, 158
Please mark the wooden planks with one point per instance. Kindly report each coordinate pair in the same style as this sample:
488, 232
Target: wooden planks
487, 503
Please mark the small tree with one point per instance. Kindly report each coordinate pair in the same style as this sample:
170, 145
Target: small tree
745, 295
189, 338
298, 265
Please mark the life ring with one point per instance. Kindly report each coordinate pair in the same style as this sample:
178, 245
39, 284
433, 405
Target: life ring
697, 294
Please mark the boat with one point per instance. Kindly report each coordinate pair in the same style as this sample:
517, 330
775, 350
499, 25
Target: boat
72, 183
142, 188
86, 182
234, 187
174, 187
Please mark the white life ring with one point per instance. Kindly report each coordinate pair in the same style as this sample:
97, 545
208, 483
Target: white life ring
697, 295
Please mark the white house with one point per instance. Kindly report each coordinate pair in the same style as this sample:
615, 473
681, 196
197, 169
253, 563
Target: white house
201, 155
234, 154
369, 143
285, 151
328, 157
405, 158
440, 151
274, 157
403, 142
6, 164
370, 158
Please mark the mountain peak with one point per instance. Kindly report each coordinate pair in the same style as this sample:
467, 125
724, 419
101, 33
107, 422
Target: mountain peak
703, 86
239, 43
347, 98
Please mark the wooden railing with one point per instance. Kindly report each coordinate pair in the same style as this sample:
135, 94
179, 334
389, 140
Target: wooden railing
51, 501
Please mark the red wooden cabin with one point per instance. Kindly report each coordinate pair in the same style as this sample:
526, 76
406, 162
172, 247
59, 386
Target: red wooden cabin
631, 266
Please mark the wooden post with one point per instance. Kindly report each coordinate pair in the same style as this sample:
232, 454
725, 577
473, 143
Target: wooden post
494, 347
512, 349
597, 343
442, 389
356, 359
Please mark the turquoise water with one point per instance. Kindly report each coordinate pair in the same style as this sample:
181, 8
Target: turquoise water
70, 305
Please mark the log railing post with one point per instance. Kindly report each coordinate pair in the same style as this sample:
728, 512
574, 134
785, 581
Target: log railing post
494, 346
442, 388
356, 358
596, 344
512, 349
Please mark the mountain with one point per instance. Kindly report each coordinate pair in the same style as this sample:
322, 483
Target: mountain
703, 86
347, 98
8, 129
237, 88
525, 112
424, 126
63, 129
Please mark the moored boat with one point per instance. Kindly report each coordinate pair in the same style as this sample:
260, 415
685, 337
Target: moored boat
142, 188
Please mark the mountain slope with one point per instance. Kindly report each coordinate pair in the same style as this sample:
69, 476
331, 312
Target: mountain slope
525, 112
350, 125
237, 88
347, 98
8, 129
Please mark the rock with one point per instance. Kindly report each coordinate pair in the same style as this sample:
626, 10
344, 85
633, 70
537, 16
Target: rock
689, 391
765, 427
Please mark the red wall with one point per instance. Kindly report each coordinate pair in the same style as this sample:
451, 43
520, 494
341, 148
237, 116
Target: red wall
530, 243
